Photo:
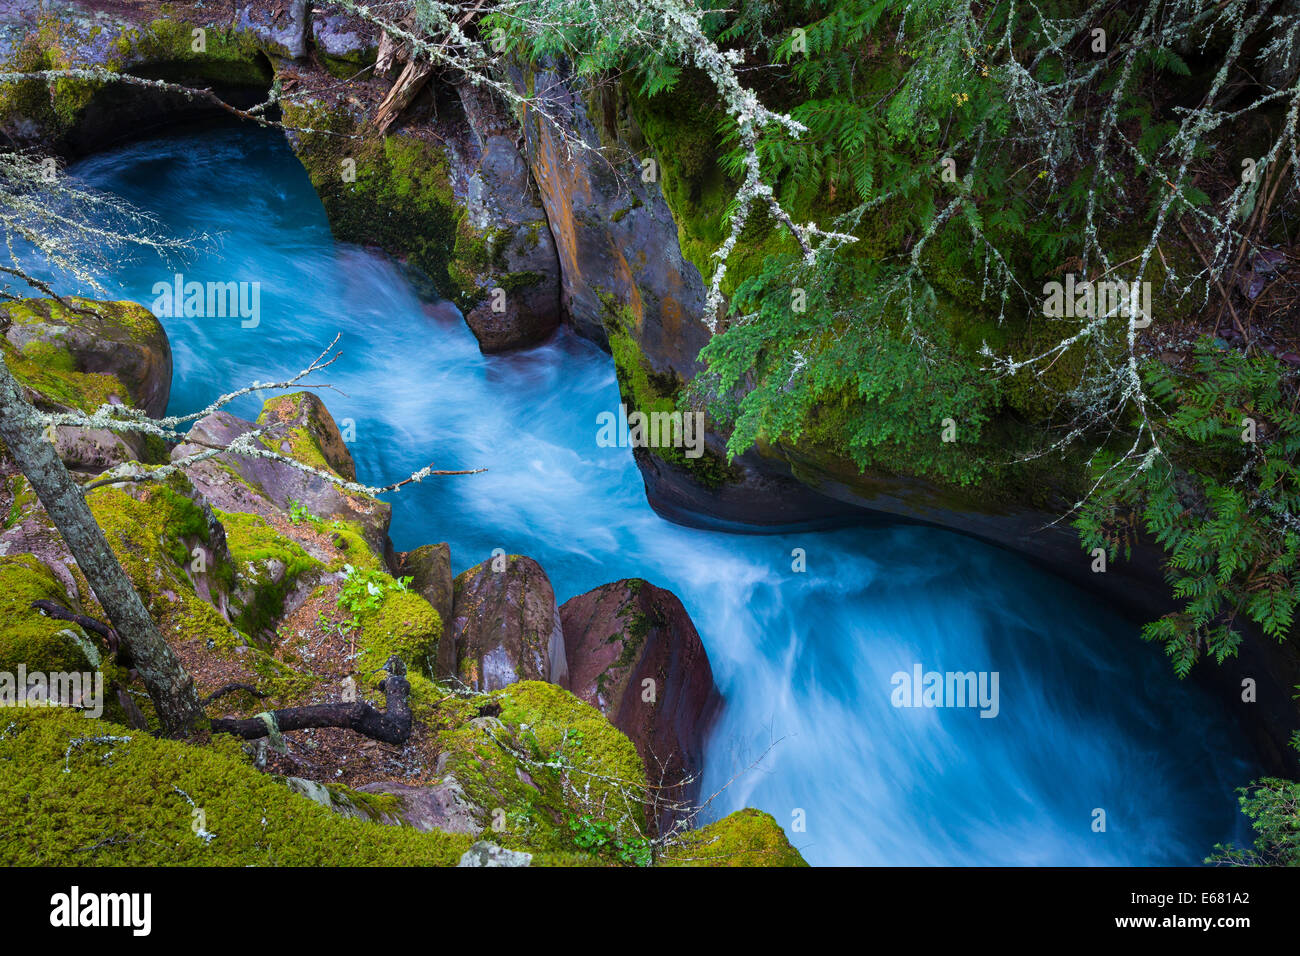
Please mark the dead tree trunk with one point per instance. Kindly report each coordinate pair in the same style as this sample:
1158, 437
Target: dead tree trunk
412, 79
393, 727
170, 687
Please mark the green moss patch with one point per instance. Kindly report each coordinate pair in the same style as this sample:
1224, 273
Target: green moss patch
153, 532
513, 751
267, 564
401, 198
132, 801
27, 636
745, 838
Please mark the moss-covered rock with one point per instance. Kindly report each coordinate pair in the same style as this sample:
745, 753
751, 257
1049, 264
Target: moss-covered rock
300, 426
339, 526
268, 568
172, 547
745, 838
545, 768
392, 191
404, 624
30, 638
82, 112
168, 48
88, 353
429, 568
344, 44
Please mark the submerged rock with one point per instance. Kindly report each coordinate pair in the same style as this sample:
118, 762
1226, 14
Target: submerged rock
634, 654
506, 625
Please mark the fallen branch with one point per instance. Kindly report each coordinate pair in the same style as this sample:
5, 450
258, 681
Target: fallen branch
50, 609
392, 727
414, 76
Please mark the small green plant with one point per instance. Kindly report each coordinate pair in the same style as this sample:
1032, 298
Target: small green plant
602, 838
298, 512
364, 590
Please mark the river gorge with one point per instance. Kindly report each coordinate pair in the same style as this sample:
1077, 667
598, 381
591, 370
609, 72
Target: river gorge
1089, 717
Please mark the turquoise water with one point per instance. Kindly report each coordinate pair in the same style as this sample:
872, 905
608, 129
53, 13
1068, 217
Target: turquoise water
1089, 717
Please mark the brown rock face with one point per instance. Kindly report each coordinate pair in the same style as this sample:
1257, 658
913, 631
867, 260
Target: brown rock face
506, 625
621, 266
635, 654
429, 568
504, 237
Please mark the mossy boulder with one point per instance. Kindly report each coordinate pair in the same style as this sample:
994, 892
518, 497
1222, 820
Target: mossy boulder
390, 191
441, 806
84, 355
543, 767
30, 638
171, 545
26, 528
634, 654
402, 624
89, 353
466, 218
300, 428
80, 114
281, 28
745, 838
348, 802
506, 625
272, 573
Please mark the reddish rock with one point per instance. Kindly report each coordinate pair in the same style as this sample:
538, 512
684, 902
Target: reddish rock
506, 626
299, 427
621, 635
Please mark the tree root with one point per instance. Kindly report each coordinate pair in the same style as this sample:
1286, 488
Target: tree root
392, 727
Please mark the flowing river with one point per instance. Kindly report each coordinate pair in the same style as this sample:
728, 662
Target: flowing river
1088, 717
